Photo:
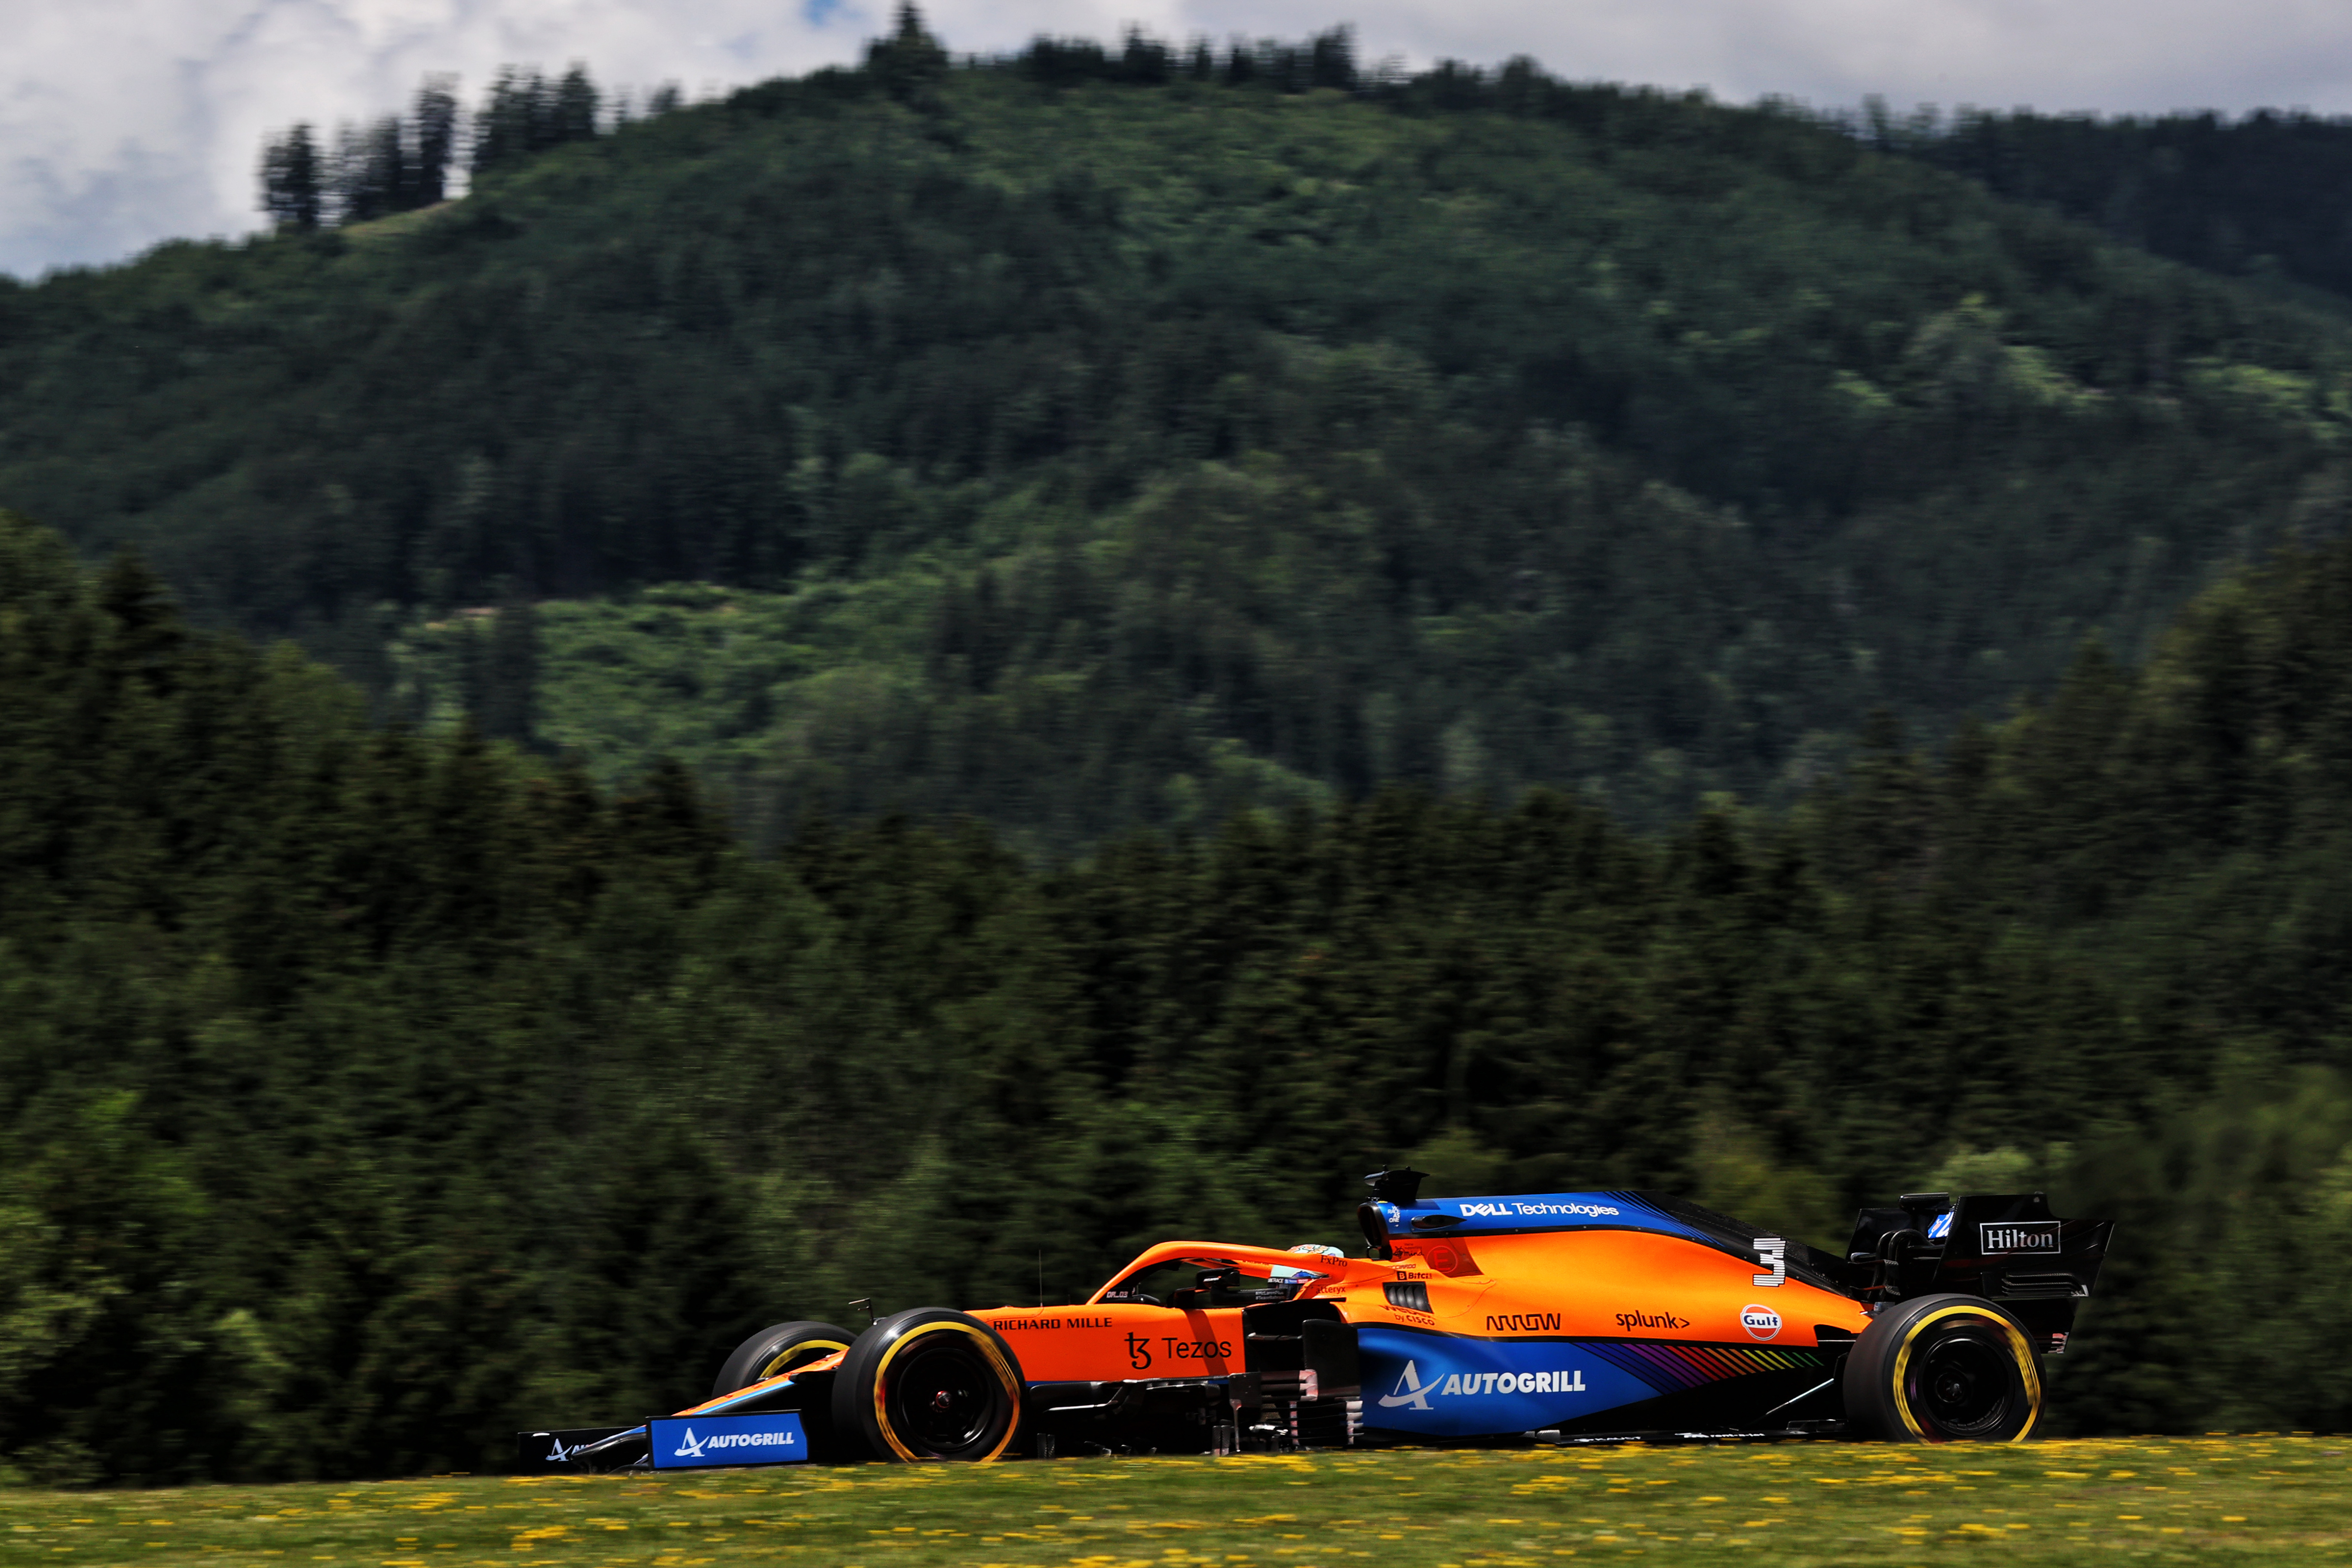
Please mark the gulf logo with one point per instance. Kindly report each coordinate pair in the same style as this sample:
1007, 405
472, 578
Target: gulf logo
1761, 1323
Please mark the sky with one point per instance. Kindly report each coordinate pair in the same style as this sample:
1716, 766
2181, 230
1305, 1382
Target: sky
127, 122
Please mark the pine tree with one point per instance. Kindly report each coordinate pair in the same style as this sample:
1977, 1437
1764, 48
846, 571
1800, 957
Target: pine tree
289, 181
509, 708
575, 107
910, 62
503, 128
436, 138
371, 171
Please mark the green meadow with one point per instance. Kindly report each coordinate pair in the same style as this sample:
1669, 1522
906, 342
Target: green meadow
2213, 1498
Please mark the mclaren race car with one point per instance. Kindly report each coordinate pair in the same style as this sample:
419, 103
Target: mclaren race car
1556, 1316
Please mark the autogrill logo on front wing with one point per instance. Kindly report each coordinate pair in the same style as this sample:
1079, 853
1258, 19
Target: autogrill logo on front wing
693, 1447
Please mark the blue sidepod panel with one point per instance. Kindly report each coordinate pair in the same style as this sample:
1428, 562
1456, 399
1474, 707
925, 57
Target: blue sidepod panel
1464, 1388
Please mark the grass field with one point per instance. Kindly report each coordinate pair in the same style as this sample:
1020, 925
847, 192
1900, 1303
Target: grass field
2215, 1499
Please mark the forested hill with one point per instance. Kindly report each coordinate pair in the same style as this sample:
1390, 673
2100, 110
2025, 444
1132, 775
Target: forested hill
365, 1097
2259, 197
1103, 440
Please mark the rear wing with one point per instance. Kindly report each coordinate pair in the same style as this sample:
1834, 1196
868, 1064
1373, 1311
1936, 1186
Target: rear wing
2007, 1247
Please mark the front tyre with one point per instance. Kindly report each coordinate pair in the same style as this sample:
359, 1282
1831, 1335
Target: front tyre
930, 1383
1944, 1369
777, 1349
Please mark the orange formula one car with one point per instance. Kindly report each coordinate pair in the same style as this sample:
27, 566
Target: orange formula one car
1558, 1316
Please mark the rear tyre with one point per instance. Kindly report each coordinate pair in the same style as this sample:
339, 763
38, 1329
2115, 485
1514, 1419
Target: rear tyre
929, 1384
1944, 1369
774, 1351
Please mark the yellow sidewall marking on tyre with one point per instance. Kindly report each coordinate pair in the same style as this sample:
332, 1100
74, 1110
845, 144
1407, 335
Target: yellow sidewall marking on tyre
777, 1365
1011, 1384
2021, 1353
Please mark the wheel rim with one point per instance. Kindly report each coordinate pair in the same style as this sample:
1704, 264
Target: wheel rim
1964, 1377
1963, 1385
944, 1393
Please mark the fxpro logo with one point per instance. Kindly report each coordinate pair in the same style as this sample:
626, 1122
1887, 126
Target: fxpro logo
693, 1447
1412, 1393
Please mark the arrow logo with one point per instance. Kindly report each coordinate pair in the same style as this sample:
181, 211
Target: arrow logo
1410, 1390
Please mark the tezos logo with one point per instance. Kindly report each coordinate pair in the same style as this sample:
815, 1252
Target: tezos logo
1761, 1323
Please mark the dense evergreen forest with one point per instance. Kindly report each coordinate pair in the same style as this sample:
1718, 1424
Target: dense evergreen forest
363, 1096
1102, 438
2259, 197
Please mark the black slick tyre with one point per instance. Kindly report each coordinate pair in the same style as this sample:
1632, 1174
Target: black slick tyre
1944, 1369
777, 1349
930, 1383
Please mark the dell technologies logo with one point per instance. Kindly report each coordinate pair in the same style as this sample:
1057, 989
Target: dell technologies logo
2019, 1235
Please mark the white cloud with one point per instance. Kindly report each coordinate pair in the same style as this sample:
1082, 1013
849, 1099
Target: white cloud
127, 122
